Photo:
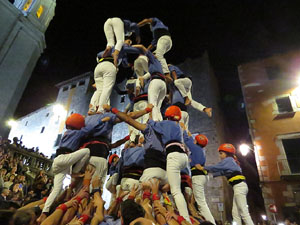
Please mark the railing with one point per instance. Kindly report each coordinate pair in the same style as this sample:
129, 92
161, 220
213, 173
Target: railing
33, 160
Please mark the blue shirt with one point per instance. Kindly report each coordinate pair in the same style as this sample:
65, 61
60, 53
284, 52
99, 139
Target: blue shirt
197, 155
154, 64
224, 168
130, 27
176, 96
133, 156
169, 130
109, 220
178, 72
105, 129
157, 24
152, 139
72, 138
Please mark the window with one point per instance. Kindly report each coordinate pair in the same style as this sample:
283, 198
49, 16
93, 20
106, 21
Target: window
122, 99
291, 148
284, 105
73, 86
81, 82
42, 131
27, 5
58, 140
273, 72
47, 114
65, 88
26, 123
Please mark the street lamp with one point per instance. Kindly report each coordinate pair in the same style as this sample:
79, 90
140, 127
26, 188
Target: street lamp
12, 123
264, 217
244, 149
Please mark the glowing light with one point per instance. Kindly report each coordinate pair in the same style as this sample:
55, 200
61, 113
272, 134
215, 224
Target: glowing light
59, 110
234, 223
264, 217
244, 149
12, 123
280, 223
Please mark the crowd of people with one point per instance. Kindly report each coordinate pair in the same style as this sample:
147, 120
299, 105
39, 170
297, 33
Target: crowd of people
160, 175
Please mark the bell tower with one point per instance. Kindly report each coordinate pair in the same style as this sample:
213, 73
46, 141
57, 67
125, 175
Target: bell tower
22, 41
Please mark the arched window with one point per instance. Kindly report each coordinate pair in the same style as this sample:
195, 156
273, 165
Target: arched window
40, 11
27, 5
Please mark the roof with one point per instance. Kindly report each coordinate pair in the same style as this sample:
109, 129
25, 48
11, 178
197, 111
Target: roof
85, 75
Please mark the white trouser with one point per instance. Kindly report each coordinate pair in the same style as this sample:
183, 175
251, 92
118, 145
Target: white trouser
177, 161
185, 119
101, 167
184, 86
105, 77
127, 184
156, 93
240, 206
141, 65
198, 182
114, 27
154, 172
61, 167
164, 44
138, 106
112, 181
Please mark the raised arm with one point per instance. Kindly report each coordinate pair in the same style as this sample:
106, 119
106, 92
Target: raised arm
144, 22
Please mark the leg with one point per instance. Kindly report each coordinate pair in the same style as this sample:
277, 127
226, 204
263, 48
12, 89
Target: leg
109, 33
184, 86
240, 196
65, 161
82, 161
185, 119
164, 44
109, 77
154, 172
118, 29
161, 97
57, 187
156, 87
127, 184
99, 86
175, 162
101, 167
199, 182
141, 65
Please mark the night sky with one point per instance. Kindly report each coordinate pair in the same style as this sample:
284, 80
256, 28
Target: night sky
232, 32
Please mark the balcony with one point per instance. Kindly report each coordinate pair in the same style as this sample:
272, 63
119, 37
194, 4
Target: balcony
34, 161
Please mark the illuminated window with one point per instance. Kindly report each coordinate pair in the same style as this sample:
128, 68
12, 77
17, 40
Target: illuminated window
27, 5
40, 11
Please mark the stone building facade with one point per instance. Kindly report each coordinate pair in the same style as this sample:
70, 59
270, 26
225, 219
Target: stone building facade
22, 41
272, 97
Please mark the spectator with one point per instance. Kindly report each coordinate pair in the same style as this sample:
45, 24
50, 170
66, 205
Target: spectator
8, 183
4, 193
2, 176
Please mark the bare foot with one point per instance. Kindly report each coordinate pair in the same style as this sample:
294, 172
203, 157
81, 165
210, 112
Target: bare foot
187, 101
208, 111
91, 113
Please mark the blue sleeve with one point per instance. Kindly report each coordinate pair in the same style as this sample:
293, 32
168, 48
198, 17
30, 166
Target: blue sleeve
132, 50
156, 126
134, 28
100, 54
154, 42
219, 167
198, 156
150, 56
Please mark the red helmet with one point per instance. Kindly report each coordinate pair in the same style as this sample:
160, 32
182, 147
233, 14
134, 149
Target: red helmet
111, 158
201, 140
173, 112
76, 121
226, 147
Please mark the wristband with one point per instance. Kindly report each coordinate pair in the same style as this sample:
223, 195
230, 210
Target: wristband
45, 199
78, 198
131, 197
83, 218
180, 219
192, 220
146, 194
63, 207
114, 110
155, 197
119, 200
127, 137
167, 201
148, 109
